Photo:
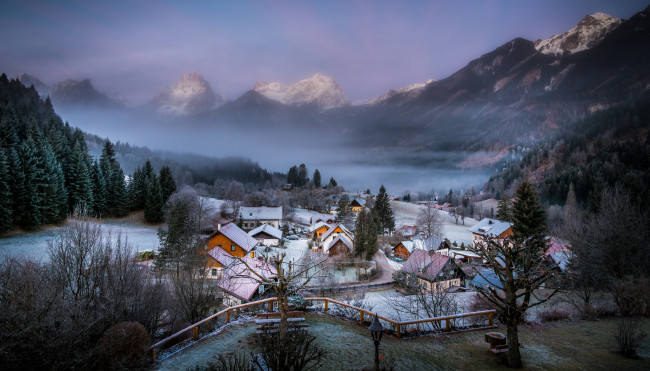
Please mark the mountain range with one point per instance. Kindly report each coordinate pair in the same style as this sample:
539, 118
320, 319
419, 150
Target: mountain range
512, 96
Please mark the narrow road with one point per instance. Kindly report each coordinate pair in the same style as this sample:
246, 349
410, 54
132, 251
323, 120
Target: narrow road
386, 269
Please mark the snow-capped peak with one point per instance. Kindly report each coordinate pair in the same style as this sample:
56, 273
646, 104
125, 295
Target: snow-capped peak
586, 34
319, 89
409, 91
191, 94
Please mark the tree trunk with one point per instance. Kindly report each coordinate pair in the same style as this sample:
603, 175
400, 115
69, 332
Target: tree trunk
514, 357
283, 309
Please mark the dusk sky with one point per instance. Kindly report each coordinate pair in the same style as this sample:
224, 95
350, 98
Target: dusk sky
136, 48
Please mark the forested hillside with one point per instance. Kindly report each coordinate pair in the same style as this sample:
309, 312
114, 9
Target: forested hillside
607, 148
45, 168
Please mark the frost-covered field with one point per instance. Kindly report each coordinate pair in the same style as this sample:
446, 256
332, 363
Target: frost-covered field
35, 244
407, 214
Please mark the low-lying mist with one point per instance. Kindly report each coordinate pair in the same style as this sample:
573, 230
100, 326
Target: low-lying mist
278, 148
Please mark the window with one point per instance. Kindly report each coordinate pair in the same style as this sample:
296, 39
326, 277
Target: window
205, 247
232, 247
214, 271
261, 289
253, 255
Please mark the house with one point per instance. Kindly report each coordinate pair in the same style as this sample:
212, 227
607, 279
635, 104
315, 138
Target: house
337, 236
233, 240
241, 285
407, 231
404, 249
434, 271
256, 216
490, 228
319, 229
324, 218
485, 279
463, 256
266, 235
357, 204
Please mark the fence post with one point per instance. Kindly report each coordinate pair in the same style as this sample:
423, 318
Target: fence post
270, 306
153, 356
399, 332
361, 317
228, 316
326, 302
447, 325
491, 319
196, 333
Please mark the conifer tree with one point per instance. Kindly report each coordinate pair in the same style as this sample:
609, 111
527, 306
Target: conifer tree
528, 216
55, 201
332, 183
80, 188
292, 176
167, 183
99, 190
316, 179
382, 212
6, 218
365, 236
33, 197
302, 175
503, 208
153, 212
571, 209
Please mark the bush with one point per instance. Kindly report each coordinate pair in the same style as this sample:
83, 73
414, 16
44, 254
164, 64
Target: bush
629, 337
295, 352
229, 362
632, 295
553, 315
123, 346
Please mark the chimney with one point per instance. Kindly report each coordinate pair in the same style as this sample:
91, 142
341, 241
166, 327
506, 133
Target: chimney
490, 221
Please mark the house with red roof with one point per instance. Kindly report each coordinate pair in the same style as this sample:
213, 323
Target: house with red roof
434, 271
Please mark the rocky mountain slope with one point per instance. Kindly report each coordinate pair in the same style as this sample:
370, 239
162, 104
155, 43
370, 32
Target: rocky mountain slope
320, 90
586, 34
72, 93
192, 94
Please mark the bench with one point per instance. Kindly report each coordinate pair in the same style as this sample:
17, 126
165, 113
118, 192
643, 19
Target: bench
498, 349
277, 314
271, 325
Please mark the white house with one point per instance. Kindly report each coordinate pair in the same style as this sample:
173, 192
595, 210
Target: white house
255, 216
266, 235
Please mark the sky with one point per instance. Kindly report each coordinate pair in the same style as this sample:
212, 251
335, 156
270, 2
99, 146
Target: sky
137, 48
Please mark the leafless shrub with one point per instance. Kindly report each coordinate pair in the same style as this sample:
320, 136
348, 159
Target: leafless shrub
123, 346
629, 337
356, 300
296, 351
632, 296
553, 315
229, 362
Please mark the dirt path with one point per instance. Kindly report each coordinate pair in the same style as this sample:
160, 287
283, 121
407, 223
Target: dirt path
386, 269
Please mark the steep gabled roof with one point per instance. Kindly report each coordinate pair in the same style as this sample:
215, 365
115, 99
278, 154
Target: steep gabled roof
486, 277
237, 235
268, 229
490, 227
359, 202
425, 264
239, 281
333, 228
261, 213
319, 225
221, 256
341, 237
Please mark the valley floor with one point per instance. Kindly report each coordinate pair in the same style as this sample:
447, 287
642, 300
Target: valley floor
581, 345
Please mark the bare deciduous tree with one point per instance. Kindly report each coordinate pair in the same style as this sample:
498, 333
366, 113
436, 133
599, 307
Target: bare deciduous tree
430, 221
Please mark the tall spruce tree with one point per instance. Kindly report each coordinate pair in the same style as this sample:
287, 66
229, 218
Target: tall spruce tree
33, 198
153, 209
100, 191
167, 183
529, 218
504, 212
332, 183
302, 175
55, 202
80, 190
383, 213
6, 218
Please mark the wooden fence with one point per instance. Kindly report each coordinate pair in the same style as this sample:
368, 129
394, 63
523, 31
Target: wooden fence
398, 326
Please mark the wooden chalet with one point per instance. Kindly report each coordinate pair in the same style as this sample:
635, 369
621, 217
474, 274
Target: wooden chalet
434, 271
357, 204
266, 235
241, 285
404, 249
232, 241
319, 230
256, 216
490, 228
337, 236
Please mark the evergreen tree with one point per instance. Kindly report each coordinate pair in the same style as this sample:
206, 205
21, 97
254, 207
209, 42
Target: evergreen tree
16, 184
529, 218
302, 175
365, 236
316, 178
180, 237
5, 194
138, 189
167, 183
332, 183
33, 198
99, 190
382, 212
80, 190
503, 208
55, 207
119, 205
153, 212
292, 176
343, 209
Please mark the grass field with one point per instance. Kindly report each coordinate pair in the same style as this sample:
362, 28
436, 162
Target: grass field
583, 345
